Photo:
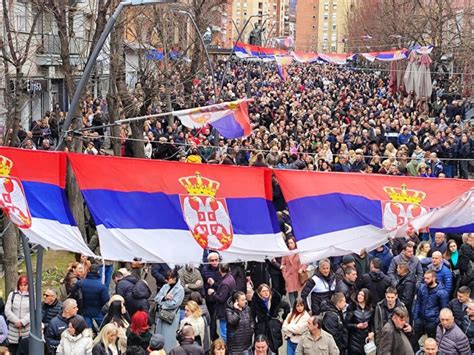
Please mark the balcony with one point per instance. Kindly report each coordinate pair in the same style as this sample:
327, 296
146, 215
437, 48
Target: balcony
49, 50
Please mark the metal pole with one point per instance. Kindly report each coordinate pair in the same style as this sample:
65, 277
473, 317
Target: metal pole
39, 293
88, 69
35, 343
211, 67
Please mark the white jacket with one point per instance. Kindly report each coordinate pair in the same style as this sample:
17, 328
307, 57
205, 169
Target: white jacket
75, 345
17, 308
295, 329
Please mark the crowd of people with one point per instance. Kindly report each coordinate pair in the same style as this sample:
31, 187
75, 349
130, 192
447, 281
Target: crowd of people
408, 296
412, 295
324, 117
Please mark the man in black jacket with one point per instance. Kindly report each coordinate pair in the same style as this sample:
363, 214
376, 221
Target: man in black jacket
59, 324
466, 263
51, 307
375, 281
459, 305
187, 345
347, 286
405, 284
333, 320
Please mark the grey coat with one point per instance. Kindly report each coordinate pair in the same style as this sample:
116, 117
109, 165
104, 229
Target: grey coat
17, 308
452, 341
162, 327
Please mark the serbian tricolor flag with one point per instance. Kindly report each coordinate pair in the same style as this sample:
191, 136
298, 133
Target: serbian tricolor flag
231, 119
32, 196
337, 213
282, 63
170, 212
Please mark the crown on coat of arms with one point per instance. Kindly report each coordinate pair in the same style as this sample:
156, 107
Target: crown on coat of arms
404, 195
5, 166
199, 186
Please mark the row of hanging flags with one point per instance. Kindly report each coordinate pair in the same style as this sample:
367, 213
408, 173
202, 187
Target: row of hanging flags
170, 211
244, 50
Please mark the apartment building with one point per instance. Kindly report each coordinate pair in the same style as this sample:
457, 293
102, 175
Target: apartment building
320, 25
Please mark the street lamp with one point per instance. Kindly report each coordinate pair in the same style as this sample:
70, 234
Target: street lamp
209, 63
93, 57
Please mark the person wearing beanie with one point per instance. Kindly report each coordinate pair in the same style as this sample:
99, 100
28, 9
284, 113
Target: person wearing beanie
348, 261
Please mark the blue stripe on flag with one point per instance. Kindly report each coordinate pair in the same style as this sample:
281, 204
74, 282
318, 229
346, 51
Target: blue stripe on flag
316, 215
141, 210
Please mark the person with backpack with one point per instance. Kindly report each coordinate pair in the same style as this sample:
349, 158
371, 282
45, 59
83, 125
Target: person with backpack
17, 313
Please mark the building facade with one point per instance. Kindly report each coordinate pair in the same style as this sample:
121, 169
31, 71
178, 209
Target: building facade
320, 25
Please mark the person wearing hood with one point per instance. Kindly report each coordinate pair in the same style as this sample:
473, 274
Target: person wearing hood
384, 253
333, 320
405, 284
77, 339
240, 325
375, 281
320, 287
431, 297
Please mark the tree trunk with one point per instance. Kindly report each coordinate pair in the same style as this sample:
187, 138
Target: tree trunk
10, 256
114, 114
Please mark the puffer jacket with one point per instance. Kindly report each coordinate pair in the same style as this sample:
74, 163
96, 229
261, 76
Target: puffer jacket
429, 302
443, 276
354, 316
452, 340
334, 324
376, 282
468, 328
240, 328
53, 333
458, 311
50, 311
318, 289
17, 307
75, 345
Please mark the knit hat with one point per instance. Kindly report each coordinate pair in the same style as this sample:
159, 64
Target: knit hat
157, 342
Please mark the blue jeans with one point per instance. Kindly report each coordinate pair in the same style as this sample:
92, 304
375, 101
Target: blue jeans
223, 329
291, 347
109, 269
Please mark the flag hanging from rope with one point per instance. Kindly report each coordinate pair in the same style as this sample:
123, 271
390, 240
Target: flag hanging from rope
338, 213
32, 195
231, 119
170, 212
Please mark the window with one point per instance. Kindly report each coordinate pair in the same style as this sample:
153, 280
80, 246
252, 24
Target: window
333, 48
333, 37
326, 16
333, 26
21, 15
325, 26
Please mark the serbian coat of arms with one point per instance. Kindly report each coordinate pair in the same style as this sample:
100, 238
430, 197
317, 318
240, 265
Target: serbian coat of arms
12, 196
404, 205
206, 215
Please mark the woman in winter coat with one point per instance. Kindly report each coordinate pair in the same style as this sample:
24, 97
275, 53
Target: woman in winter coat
295, 325
320, 287
360, 322
106, 343
17, 314
193, 317
291, 269
240, 324
196, 297
117, 315
169, 298
266, 305
77, 339
139, 332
